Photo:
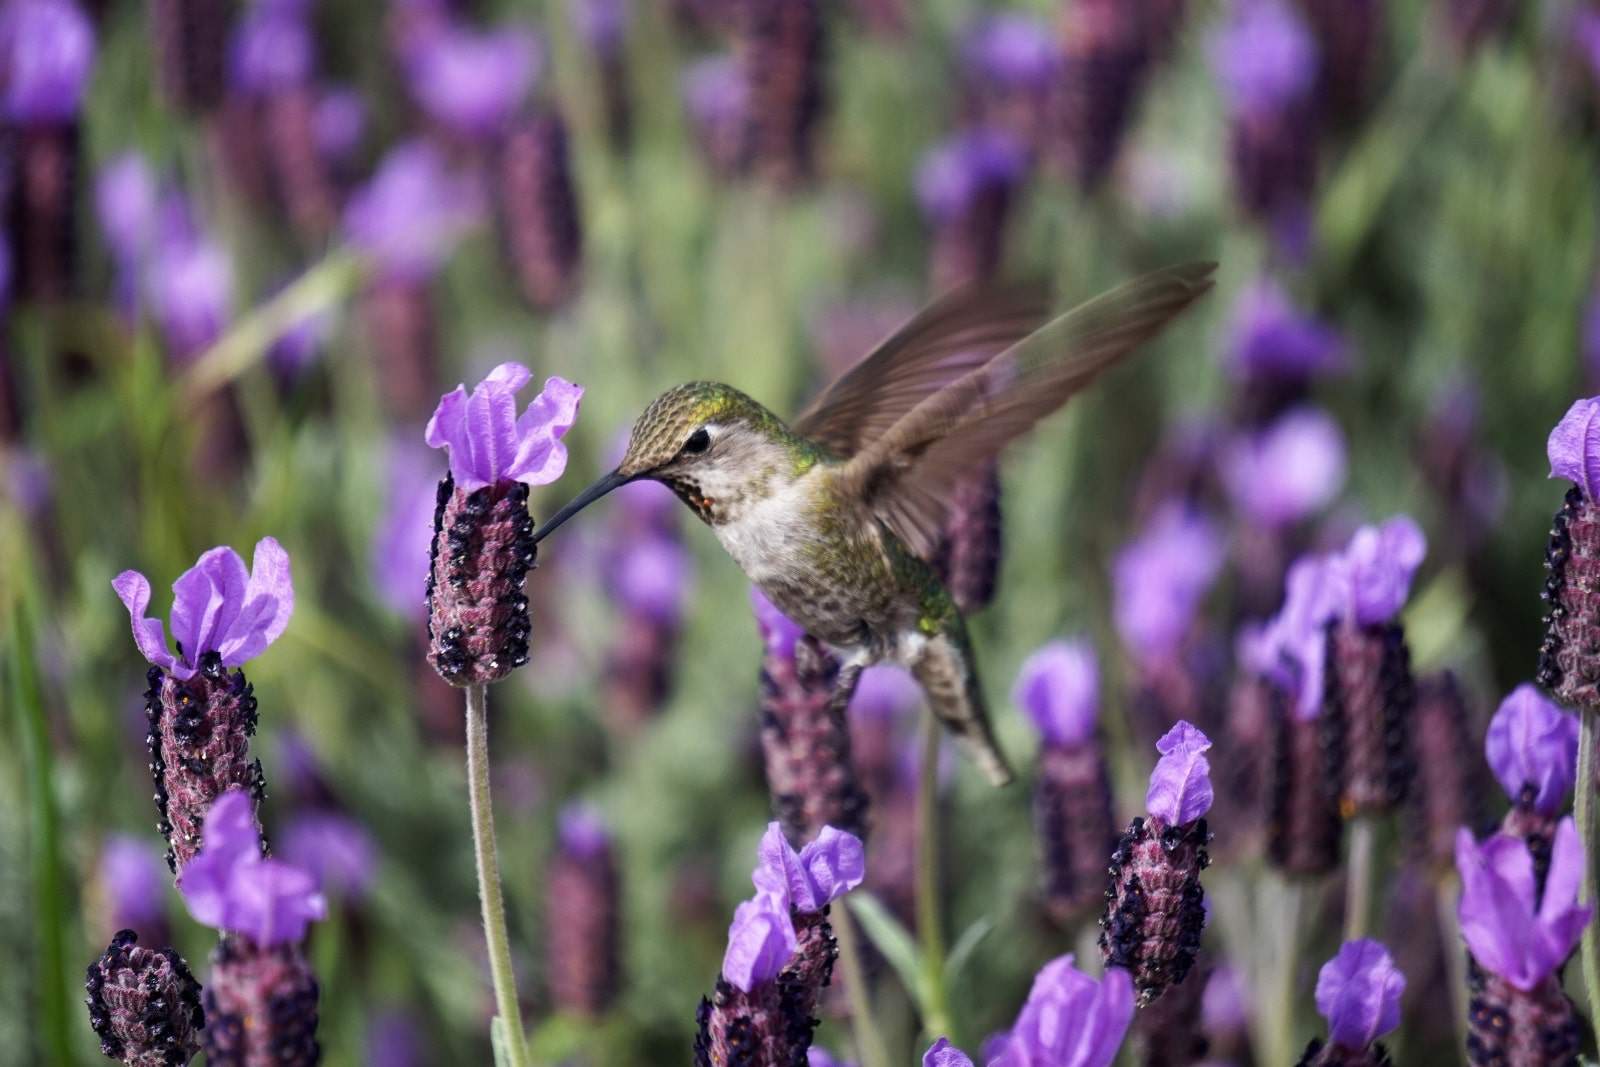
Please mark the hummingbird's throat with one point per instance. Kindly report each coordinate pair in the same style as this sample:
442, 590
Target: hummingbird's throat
689, 492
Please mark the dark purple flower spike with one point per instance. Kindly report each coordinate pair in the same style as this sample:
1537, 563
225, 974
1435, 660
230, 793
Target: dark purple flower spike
1011, 63
537, 200
1058, 689
261, 1005
1107, 52
805, 736
717, 99
965, 186
1519, 938
1448, 787
780, 953
144, 1004
1068, 1018
1569, 659
647, 573
201, 716
584, 930
483, 536
780, 45
1155, 907
1358, 992
191, 51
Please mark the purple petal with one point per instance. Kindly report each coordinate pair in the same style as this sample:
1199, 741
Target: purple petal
273, 902
133, 589
885, 693
1263, 57
133, 880
943, 1054
1059, 689
125, 201
1292, 648
447, 428
1377, 567
267, 603
778, 873
834, 864
191, 285
1070, 1019
1574, 447
334, 849
1533, 742
272, 52
760, 941
474, 82
1180, 787
410, 215
1358, 992
1496, 909
229, 838
1161, 579
399, 557
491, 432
47, 53
1270, 338
540, 457
206, 599
1289, 470
582, 832
778, 632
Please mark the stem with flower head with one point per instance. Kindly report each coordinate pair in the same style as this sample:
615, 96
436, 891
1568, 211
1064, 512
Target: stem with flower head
488, 861
935, 1009
1583, 803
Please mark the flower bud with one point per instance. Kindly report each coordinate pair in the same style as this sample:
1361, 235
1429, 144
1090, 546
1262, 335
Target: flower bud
1369, 703
968, 555
1447, 788
144, 1004
261, 1006
1106, 63
1303, 826
1507, 1025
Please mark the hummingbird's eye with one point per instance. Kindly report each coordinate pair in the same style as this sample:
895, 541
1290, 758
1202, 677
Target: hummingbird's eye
697, 443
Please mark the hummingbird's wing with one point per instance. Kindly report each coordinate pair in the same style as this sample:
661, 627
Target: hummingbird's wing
906, 474
949, 338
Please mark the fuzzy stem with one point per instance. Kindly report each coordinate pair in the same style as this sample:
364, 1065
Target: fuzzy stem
483, 847
935, 1011
1281, 1032
1455, 956
1584, 811
863, 1023
1358, 877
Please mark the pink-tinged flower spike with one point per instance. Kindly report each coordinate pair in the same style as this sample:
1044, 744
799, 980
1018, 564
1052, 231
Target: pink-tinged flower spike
1519, 940
1058, 689
536, 198
1068, 1020
716, 97
780, 953
1448, 790
1370, 694
1532, 748
1011, 62
201, 716
805, 736
1358, 992
144, 1004
1155, 908
584, 924
943, 1054
781, 49
648, 577
482, 533
1569, 666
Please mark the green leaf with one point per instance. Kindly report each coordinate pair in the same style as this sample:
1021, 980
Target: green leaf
961, 952
890, 938
498, 1038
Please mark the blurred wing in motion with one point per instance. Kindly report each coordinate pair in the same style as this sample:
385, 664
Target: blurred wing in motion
906, 473
948, 339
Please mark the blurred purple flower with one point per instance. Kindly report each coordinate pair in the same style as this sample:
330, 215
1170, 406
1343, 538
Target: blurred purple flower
943, 1054
1225, 1005
1180, 786
1508, 931
1574, 447
488, 443
581, 831
190, 281
47, 56
954, 174
1011, 50
300, 345
399, 564
28, 481
217, 606
885, 693
1532, 745
1161, 578
393, 1040
134, 882
716, 96
1292, 648
1374, 571
335, 849
603, 24
125, 200
778, 632
1264, 57
650, 575
1358, 992
229, 885
471, 82
1069, 1020
1269, 338
1058, 688
409, 216
1283, 473
272, 51
339, 124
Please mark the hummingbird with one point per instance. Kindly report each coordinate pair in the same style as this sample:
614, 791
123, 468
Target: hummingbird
835, 514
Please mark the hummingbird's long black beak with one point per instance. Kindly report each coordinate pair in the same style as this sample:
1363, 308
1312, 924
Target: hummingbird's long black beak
581, 501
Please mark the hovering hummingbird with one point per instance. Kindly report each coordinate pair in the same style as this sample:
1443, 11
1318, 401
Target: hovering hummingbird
835, 514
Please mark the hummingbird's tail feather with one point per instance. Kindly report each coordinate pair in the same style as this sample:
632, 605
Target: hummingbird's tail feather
948, 676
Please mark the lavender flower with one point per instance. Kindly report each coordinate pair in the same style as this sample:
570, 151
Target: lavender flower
261, 1005
190, 281
967, 557
125, 203
401, 543
584, 931
805, 737
537, 201
1532, 748
1068, 1018
144, 1004
943, 1054
1447, 795
339, 125
47, 50
231, 886
482, 544
202, 717
1155, 908
336, 850
781, 46
393, 1040
272, 51
472, 83
1269, 339
1358, 992
1108, 51
717, 98
130, 878
1160, 580
648, 578
1567, 666
1519, 939
410, 214
780, 951
1288, 470
964, 186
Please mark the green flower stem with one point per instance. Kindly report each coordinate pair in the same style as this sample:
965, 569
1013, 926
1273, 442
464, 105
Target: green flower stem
1584, 805
930, 931
863, 1023
1455, 954
1284, 989
1358, 884
494, 907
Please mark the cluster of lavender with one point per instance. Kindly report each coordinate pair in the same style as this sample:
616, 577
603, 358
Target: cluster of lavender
260, 1000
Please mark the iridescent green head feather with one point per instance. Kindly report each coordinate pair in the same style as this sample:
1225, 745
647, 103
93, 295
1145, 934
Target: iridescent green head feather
660, 433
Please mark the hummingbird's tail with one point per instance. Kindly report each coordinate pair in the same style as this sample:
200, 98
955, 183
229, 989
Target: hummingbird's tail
948, 675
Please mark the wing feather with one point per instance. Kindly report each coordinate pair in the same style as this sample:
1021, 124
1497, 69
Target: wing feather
906, 473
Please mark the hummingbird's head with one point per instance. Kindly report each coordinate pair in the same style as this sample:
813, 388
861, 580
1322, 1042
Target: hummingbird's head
708, 442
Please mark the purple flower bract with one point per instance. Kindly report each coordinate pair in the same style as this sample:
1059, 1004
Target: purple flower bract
488, 443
